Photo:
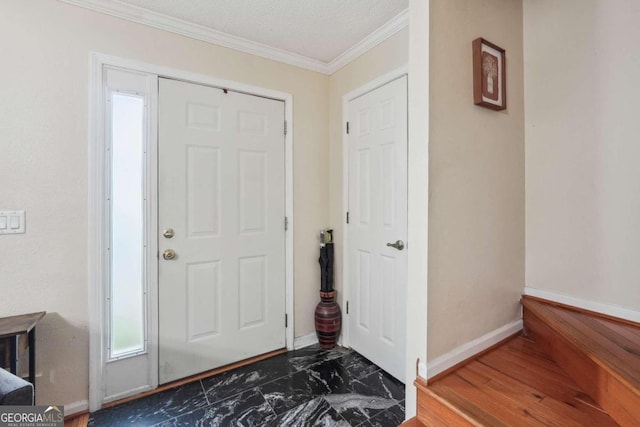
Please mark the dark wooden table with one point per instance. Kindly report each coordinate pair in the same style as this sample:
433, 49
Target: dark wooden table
12, 328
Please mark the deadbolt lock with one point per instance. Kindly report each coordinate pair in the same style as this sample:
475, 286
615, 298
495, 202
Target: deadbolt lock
168, 233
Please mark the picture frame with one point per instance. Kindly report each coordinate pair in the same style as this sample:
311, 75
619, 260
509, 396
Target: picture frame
489, 75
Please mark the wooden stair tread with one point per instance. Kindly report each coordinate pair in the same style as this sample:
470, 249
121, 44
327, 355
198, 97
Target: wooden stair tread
613, 345
556, 385
412, 422
516, 384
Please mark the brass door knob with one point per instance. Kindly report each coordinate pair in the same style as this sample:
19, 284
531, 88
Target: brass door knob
169, 254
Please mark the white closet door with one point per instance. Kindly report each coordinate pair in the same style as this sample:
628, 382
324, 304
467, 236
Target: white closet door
378, 218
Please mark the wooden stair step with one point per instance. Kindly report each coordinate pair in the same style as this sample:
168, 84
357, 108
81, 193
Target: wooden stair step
412, 422
515, 384
601, 354
549, 378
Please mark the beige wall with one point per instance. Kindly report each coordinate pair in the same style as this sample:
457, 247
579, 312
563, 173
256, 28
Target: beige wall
476, 180
43, 166
582, 61
387, 56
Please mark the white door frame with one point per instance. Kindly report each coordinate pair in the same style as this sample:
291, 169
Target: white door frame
367, 87
98, 232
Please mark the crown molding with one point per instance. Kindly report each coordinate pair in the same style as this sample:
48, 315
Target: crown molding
387, 30
200, 32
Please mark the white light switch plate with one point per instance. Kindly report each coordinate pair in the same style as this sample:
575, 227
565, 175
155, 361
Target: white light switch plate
12, 222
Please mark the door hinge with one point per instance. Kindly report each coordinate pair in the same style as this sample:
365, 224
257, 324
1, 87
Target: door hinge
347, 307
285, 127
286, 223
347, 128
286, 320
347, 217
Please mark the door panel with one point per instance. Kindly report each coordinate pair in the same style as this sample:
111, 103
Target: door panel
203, 300
222, 191
203, 192
378, 215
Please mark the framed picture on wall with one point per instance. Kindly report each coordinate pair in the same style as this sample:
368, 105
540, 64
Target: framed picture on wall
489, 75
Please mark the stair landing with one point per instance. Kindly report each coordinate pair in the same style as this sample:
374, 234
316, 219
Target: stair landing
515, 384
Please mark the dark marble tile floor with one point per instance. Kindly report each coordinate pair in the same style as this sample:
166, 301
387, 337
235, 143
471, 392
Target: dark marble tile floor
306, 387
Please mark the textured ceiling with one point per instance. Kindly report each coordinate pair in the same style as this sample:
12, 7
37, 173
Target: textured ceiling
318, 29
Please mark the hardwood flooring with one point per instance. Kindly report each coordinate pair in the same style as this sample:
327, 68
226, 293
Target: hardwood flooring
572, 367
600, 353
80, 420
516, 384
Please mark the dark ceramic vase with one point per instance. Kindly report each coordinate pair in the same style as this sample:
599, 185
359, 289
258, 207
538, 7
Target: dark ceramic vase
328, 320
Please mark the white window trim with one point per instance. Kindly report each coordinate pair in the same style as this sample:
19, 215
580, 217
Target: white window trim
97, 233
100, 233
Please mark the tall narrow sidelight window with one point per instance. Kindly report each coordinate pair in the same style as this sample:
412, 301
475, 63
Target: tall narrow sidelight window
128, 238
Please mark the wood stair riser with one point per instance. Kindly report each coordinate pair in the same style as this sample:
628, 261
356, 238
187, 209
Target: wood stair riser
611, 394
433, 411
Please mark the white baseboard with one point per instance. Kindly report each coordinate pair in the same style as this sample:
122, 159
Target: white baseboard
465, 351
75, 407
422, 369
305, 341
608, 309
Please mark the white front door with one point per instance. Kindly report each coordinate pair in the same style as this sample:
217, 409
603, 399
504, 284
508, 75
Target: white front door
378, 219
222, 193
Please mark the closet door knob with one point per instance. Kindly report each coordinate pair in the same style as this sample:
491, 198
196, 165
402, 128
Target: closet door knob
399, 245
